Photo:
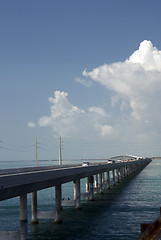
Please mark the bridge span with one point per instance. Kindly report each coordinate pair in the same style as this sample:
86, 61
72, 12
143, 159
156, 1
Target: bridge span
20, 182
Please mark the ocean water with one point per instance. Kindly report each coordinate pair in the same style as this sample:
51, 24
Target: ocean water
114, 215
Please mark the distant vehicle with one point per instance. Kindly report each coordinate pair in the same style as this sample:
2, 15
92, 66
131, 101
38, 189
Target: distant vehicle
111, 161
85, 164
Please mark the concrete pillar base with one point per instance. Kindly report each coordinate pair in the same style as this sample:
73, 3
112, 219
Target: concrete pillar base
58, 221
91, 200
78, 208
34, 222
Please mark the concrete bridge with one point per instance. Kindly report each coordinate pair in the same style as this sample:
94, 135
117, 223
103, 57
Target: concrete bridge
20, 182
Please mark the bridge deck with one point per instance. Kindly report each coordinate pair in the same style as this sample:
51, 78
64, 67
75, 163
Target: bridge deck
16, 182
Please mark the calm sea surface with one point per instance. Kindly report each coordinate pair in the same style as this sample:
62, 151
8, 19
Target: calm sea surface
115, 215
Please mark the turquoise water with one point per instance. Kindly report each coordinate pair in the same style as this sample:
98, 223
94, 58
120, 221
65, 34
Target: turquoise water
115, 215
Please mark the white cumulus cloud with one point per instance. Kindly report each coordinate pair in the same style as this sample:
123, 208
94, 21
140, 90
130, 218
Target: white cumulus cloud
68, 120
31, 124
84, 82
135, 83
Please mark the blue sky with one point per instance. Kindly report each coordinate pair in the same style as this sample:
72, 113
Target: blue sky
85, 70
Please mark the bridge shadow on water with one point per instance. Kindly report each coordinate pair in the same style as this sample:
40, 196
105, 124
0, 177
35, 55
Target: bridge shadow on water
89, 223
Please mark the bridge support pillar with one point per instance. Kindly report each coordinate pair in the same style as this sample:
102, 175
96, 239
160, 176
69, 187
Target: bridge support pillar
131, 169
58, 197
108, 180
77, 194
100, 183
23, 216
34, 208
118, 175
113, 175
125, 172
87, 185
96, 181
91, 195
103, 178
122, 173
